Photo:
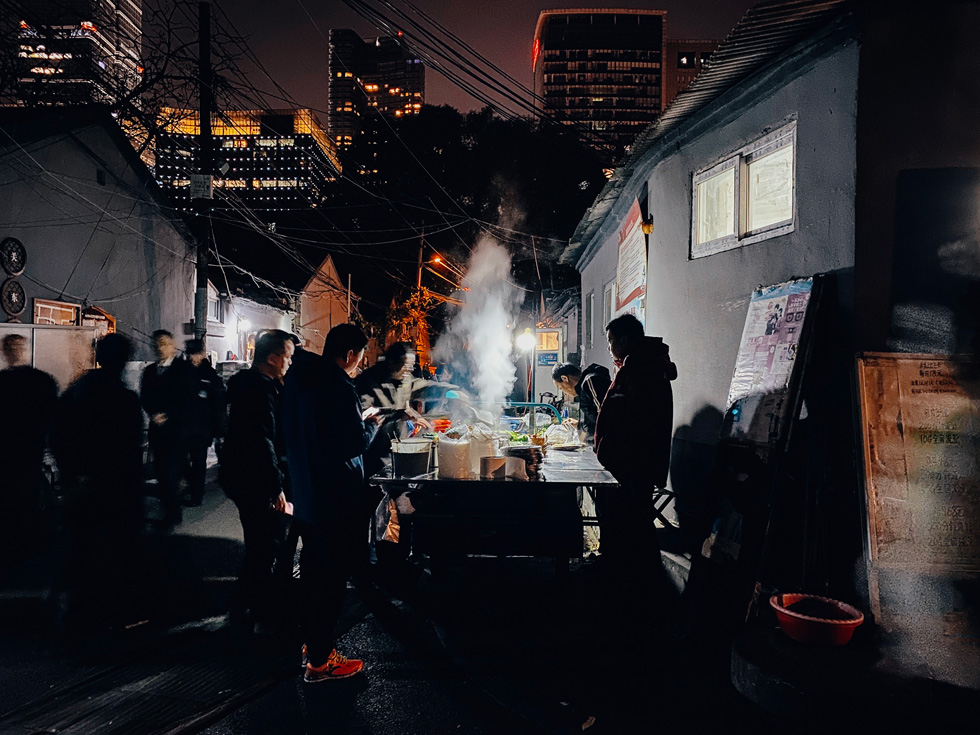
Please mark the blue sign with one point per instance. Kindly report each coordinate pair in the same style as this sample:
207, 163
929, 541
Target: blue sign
547, 359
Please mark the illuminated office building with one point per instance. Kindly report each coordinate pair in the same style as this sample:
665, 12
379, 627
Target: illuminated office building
601, 69
370, 78
75, 51
264, 159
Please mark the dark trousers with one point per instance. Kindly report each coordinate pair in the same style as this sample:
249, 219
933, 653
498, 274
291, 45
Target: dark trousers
197, 467
330, 553
264, 531
167, 467
628, 537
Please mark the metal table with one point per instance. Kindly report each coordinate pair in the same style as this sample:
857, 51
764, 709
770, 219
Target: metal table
443, 517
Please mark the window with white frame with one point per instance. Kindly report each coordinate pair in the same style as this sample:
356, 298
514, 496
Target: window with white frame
214, 305
748, 197
55, 312
608, 302
588, 318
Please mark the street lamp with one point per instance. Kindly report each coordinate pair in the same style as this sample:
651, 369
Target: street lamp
526, 342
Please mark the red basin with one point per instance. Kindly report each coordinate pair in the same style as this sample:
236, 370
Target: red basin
816, 620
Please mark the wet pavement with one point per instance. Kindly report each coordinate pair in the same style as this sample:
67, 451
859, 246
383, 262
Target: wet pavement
489, 645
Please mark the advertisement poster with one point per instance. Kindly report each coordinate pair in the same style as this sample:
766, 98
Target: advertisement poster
631, 268
766, 357
921, 432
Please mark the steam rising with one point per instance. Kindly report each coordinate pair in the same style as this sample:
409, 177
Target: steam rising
484, 323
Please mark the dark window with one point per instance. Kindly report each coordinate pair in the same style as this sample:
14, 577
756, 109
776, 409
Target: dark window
686, 59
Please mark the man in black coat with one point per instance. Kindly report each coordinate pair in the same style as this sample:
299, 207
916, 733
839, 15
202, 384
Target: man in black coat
253, 473
28, 397
326, 435
632, 441
201, 416
104, 485
161, 393
588, 386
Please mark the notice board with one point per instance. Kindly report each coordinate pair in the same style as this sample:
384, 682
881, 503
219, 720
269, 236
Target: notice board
920, 430
761, 396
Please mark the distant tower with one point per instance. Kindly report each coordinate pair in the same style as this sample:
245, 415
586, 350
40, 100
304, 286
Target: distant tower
267, 159
601, 68
369, 76
75, 51
685, 59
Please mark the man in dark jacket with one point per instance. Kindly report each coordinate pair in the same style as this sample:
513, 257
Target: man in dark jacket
105, 513
588, 386
326, 435
632, 441
201, 416
253, 473
161, 389
29, 397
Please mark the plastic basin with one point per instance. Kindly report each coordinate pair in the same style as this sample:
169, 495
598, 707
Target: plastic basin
815, 620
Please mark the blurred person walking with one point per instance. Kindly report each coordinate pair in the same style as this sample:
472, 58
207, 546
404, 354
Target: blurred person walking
326, 433
161, 389
253, 475
97, 441
201, 417
28, 397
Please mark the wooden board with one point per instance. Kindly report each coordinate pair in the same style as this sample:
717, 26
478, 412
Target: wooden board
920, 431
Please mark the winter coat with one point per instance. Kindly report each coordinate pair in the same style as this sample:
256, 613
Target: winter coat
252, 466
97, 440
325, 438
162, 392
591, 389
635, 423
201, 415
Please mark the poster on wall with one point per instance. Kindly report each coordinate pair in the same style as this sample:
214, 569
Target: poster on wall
760, 390
631, 267
920, 432
636, 307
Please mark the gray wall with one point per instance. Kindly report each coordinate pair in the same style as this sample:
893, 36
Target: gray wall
108, 244
699, 306
919, 143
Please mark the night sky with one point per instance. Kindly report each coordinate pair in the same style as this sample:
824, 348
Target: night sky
291, 46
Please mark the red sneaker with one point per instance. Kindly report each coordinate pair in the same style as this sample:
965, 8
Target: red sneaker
337, 666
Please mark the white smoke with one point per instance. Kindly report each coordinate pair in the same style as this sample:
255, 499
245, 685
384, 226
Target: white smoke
485, 322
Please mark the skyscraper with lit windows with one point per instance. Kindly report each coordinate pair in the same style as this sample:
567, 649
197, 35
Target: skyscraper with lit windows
601, 69
370, 78
264, 159
75, 51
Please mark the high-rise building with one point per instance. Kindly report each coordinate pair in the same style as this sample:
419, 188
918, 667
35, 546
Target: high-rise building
601, 68
369, 77
685, 59
75, 51
266, 159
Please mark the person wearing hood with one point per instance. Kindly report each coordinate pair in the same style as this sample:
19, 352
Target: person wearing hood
632, 441
588, 386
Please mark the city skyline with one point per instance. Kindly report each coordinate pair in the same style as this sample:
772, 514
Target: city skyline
504, 36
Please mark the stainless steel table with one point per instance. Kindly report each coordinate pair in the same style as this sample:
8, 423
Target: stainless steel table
446, 517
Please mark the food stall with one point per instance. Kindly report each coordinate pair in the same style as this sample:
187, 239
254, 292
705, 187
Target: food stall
516, 499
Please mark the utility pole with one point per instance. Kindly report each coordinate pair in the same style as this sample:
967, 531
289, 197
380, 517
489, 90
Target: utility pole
202, 190
418, 284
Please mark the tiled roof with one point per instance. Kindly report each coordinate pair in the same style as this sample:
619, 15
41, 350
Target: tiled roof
767, 30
